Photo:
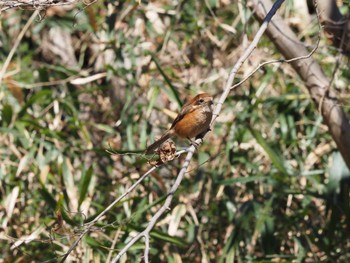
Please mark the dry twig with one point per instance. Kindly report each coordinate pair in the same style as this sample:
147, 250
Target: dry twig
312, 75
191, 149
33, 4
15, 45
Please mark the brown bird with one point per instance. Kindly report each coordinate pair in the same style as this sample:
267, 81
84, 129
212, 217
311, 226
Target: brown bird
193, 120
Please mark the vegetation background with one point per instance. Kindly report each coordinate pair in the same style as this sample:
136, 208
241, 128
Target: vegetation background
268, 184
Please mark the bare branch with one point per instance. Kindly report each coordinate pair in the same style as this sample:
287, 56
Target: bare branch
336, 26
33, 4
313, 76
15, 45
90, 224
191, 149
161, 211
244, 57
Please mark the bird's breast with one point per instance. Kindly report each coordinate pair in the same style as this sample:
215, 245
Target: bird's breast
194, 123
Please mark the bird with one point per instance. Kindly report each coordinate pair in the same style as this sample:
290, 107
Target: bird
193, 120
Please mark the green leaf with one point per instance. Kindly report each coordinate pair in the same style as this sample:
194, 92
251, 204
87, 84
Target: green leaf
243, 180
174, 91
84, 184
93, 242
160, 235
7, 113
144, 208
48, 197
165, 237
39, 96
130, 137
103, 127
274, 156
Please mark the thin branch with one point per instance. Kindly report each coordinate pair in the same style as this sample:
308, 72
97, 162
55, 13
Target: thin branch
191, 149
146, 247
244, 57
33, 4
127, 192
336, 67
313, 76
15, 45
335, 70
90, 224
161, 211
287, 60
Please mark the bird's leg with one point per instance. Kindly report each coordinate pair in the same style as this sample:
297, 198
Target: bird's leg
194, 143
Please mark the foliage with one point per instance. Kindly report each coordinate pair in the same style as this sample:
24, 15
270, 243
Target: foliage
268, 183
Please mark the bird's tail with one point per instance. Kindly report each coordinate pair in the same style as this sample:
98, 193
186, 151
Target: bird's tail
158, 142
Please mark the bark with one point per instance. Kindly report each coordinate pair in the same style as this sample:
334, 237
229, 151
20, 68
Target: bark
312, 75
336, 26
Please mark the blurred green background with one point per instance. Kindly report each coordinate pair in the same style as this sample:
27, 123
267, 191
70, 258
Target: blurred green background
268, 184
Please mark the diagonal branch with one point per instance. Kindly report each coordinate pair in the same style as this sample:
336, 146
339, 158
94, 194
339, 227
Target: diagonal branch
191, 149
145, 233
336, 26
313, 76
16, 44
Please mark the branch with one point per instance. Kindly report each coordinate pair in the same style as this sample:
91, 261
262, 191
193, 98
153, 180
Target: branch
15, 45
191, 149
244, 57
165, 206
311, 73
336, 25
33, 4
92, 223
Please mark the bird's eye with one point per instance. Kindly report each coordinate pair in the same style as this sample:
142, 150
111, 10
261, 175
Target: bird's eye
201, 100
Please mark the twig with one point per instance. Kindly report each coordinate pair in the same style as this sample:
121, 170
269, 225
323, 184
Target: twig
15, 45
108, 260
287, 60
313, 76
43, 84
326, 92
191, 149
244, 57
38, 5
128, 191
90, 224
165, 206
336, 67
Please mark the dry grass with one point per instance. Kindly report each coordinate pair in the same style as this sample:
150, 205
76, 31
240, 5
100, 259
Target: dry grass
268, 183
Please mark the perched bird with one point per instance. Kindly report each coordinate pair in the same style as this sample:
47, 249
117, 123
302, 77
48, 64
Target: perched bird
193, 120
